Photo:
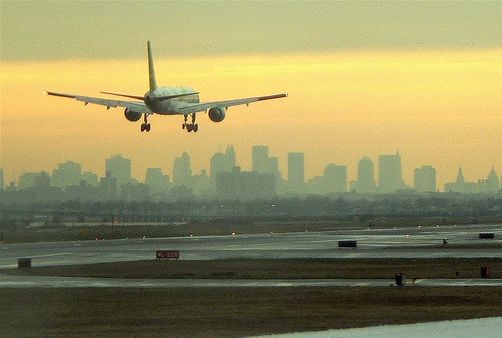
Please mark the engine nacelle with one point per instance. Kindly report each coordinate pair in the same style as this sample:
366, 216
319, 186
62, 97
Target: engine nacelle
216, 114
131, 115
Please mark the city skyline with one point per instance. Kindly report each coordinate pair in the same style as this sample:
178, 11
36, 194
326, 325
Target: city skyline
362, 78
382, 175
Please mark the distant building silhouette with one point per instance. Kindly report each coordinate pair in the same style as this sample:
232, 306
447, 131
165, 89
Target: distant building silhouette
157, 182
335, 178
223, 162
460, 185
27, 180
425, 179
134, 192
263, 164
182, 171
120, 168
108, 187
2, 183
492, 181
261, 160
244, 185
43, 181
390, 176
66, 174
201, 184
296, 171
90, 178
365, 176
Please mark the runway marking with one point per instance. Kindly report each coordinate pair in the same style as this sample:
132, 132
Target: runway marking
52, 255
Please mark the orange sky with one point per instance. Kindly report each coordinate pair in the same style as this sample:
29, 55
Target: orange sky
440, 108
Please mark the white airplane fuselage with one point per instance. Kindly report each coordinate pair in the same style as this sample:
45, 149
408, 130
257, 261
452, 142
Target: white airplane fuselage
170, 106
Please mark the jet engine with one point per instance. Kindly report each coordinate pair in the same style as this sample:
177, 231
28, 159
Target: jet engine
132, 115
216, 114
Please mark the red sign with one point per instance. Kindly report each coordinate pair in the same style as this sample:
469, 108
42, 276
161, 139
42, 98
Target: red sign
169, 254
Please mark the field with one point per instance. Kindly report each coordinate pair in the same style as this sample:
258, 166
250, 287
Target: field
231, 312
280, 268
226, 312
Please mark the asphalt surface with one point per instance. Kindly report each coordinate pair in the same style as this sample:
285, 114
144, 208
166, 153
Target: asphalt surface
11, 281
424, 242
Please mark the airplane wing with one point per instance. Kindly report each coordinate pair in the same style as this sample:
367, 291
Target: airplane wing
135, 106
194, 108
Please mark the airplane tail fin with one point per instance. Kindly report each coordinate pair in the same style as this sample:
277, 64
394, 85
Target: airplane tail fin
151, 71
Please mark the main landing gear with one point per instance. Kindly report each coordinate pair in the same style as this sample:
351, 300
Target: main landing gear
145, 126
190, 126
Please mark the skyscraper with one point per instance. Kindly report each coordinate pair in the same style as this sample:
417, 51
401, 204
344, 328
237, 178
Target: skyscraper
365, 176
335, 178
27, 180
90, 178
390, 177
120, 168
273, 168
223, 162
425, 179
296, 171
157, 182
182, 172
260, 159
66, 174
492, 181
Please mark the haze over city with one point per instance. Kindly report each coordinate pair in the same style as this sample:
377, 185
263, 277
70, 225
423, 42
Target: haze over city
250, 168
423, 78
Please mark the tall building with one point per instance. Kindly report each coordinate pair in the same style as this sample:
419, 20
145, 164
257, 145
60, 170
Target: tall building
260, 159
460, 185
365, 176
182, 172
231, 157
244, 185
390, 176
90, 178
335, 178
296, 171
43, 181
108, 187
273, 168
223, 162
492, 181
66, 174
120, 168
157, 182
27, 180
264, 164
2, 183
425, 179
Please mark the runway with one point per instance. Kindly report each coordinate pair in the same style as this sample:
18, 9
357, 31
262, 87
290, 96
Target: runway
18, 281
424, 242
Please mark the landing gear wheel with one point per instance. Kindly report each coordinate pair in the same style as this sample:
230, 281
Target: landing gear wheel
189, 127
147, 127
195, 127
143, 127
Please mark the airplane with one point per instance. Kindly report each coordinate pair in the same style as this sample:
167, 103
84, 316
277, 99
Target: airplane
167, 101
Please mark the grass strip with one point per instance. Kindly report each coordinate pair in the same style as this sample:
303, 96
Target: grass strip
278, 268
231, 313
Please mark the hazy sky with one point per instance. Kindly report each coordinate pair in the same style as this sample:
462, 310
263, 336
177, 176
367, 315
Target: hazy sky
364, 78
